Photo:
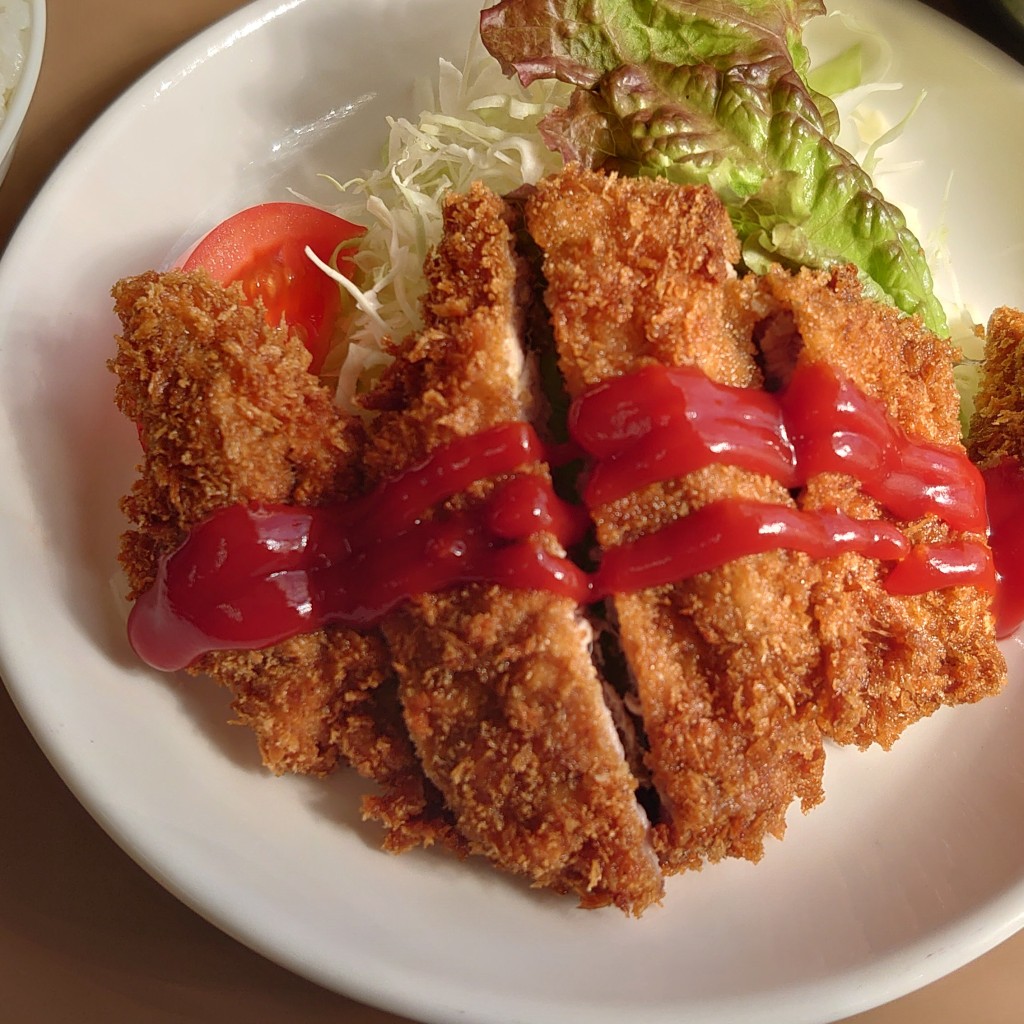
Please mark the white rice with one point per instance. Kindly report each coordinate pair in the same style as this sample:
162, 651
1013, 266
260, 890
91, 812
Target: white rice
14, 19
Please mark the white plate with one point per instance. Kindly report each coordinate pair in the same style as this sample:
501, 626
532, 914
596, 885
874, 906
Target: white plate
914, 864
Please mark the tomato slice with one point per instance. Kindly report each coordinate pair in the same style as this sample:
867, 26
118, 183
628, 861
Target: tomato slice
264, 247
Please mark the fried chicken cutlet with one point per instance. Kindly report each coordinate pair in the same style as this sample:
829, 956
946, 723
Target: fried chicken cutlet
887, 660
480, 709
639, 271
227, 413
501, 696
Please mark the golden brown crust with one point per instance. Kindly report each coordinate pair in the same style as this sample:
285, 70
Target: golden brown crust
500, 694
479, 710
640, 270
889, 356
444, 385
997, 426
228, 412
887, 660
225, 407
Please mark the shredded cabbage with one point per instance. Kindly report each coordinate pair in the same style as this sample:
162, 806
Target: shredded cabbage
969, 339
475, 125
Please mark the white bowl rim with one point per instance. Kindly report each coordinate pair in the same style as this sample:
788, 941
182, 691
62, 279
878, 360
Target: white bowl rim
25, 87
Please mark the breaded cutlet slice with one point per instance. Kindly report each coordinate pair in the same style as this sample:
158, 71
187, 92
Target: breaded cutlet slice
501, 696
887, 660
997, 425
228, 412
639, 271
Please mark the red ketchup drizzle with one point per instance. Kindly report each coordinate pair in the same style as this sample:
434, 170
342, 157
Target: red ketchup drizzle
835, 428
660, 422
725, 530
252, 575
935, 566
1004, 483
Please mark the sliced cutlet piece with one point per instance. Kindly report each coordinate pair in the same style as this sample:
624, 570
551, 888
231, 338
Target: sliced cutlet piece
997, 424
639, 272
500, 693
228, 412
887, 659
995, 442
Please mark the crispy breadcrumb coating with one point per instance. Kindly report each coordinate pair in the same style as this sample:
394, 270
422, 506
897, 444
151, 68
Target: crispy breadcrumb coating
501, 696
640, 271
227, 412
887, 660
997, 426
480, 711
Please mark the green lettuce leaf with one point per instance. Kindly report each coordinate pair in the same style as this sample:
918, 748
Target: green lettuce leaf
716, 92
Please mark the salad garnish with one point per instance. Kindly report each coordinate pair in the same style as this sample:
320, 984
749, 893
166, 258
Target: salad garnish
717, 93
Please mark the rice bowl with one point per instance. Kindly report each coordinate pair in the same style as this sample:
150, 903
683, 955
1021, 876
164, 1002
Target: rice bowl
22, 34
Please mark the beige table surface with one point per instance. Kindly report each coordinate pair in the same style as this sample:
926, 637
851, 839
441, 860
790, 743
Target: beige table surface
85, 935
